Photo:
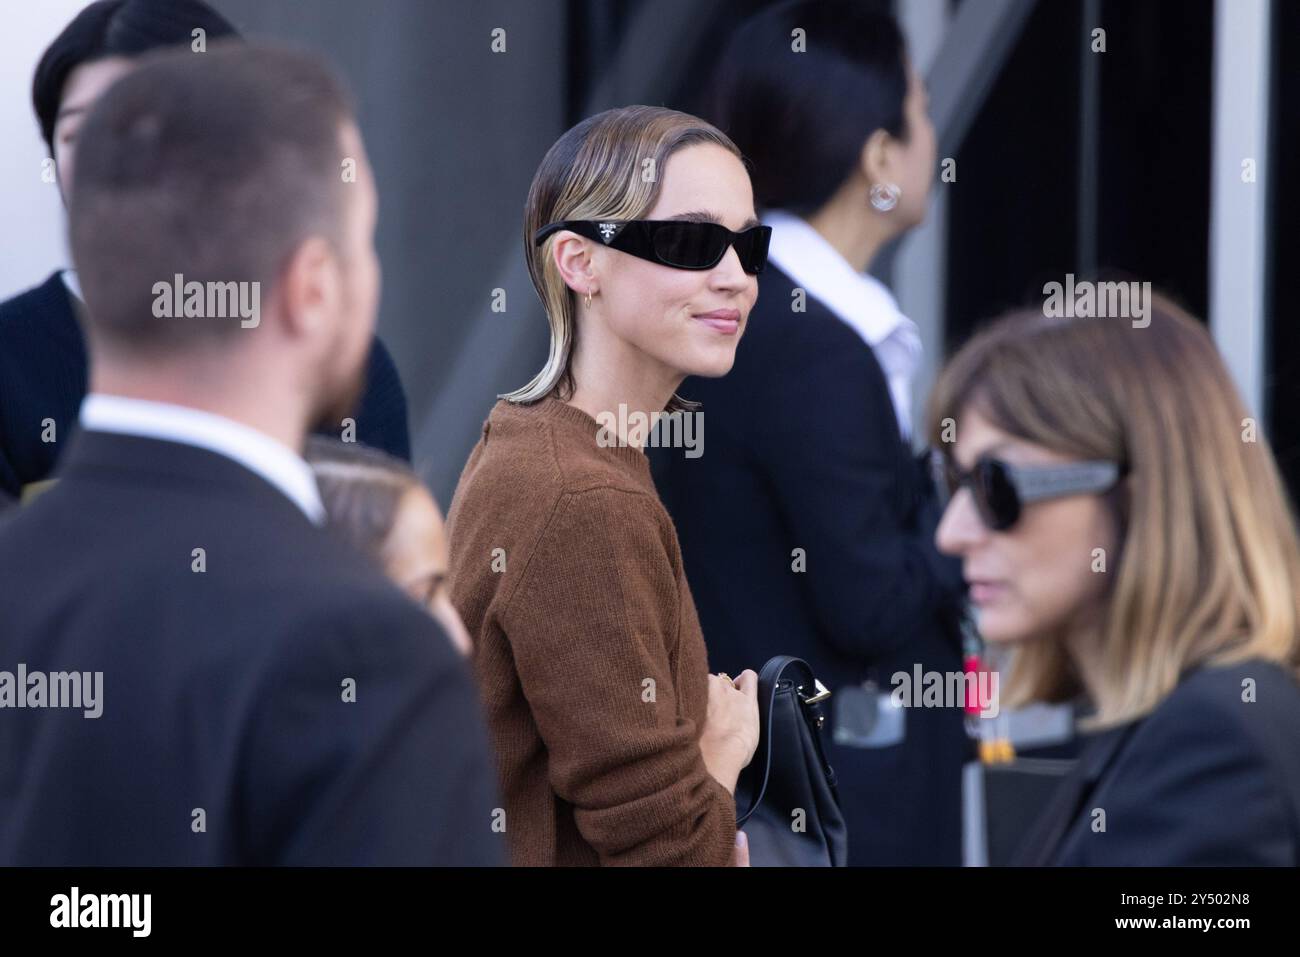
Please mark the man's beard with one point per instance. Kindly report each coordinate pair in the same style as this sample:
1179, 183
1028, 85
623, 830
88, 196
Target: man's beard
339, 403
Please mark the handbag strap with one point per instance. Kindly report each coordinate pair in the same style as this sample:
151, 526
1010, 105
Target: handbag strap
769, 680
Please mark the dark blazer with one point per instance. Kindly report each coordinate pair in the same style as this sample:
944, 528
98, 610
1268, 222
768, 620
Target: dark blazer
802, 450
223, 690
43, 375
1204, 779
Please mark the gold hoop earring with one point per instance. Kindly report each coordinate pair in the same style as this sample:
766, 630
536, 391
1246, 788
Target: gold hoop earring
589, 297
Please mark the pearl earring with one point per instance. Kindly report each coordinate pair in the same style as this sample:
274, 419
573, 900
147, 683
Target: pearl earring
885, 196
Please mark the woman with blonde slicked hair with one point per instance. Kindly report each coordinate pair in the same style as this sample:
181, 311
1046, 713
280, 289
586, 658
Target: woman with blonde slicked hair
1123, 530
615, 744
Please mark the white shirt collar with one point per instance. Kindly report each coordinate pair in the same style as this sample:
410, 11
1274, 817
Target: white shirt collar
72, 283
256, 451
858, 298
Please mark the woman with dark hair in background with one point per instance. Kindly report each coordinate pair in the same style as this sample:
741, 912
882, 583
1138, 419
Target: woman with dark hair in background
808, 526
42, 350
1123, 529
615, 744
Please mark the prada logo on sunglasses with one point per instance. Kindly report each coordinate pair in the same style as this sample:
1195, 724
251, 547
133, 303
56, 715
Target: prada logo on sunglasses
607, 231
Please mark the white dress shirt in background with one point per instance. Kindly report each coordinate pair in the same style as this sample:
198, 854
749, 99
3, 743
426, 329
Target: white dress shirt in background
857, 299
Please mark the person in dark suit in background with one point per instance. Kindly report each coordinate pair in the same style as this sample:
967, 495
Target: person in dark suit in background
807, 523
42, 348
1123, 530
260, 692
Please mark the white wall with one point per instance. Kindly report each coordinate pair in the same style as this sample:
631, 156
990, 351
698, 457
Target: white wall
31, 214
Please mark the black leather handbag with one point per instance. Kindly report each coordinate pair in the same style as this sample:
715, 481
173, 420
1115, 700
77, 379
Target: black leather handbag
792, 814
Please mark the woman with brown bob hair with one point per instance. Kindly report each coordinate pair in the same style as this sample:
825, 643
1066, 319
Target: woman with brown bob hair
1123, 529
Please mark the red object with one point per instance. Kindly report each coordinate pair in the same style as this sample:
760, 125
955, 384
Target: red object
972, 666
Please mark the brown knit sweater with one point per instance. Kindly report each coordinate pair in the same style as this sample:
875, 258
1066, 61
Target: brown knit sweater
587, 648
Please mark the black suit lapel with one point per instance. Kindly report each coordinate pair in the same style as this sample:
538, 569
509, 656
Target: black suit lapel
1038, 849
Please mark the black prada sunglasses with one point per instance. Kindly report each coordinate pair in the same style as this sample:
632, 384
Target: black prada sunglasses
672, 242
1001, 490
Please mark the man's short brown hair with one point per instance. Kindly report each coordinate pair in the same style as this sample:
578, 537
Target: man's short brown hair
213, 166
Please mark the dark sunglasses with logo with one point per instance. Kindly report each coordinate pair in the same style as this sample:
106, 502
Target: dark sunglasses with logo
1001, 490
680, 244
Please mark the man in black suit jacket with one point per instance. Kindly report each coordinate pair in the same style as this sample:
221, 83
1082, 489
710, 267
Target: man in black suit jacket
269, 700
802, 451
191, 670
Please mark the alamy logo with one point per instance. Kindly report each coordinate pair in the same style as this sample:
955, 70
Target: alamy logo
1101, 300
74, 909
668, 430
179, 299
973, 690
55, 689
